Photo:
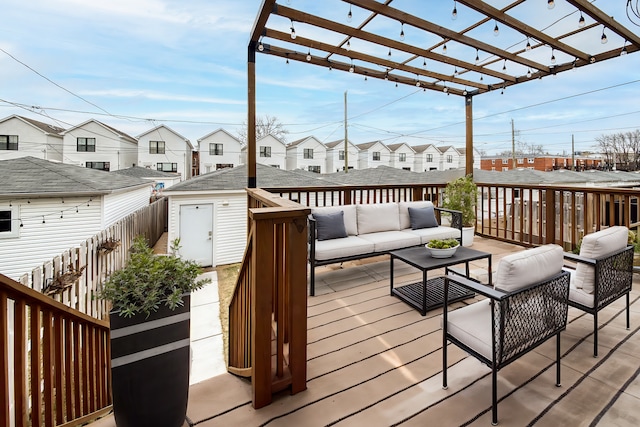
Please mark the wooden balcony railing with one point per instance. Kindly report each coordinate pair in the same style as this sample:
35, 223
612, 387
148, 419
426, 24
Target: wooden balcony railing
268, 310
54, 361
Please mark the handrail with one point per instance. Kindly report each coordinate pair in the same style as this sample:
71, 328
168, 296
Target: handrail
270, 293
54, 360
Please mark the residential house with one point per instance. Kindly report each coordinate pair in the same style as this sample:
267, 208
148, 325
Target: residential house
427, 158
308, 154
206, 211
402, 156
165, 150
94, 145
373, 154
48, 207
450, 158
21, 136
540, 163
477, 158
218, 149
270, 151
336, 156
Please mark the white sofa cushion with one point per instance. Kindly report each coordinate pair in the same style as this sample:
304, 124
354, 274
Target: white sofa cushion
440, 232
595, 245
403, 207
377, 217
339, 248
525, 268
471, 325
350, 220
390, 240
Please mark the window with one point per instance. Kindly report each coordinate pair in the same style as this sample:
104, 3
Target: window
156, 147
449, 158
315, 169
215, 150
520, 161
493, 168
341, 155
504, 169
103, 166
532, 160
223, 165
376, 155
265, 151
275, 166
167, 167
429, 158
493, 162
505, 161
406, 169
87, 144
9, 222
308, 153
8, 142
402, 157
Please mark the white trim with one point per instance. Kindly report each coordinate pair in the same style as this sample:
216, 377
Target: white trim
135, 357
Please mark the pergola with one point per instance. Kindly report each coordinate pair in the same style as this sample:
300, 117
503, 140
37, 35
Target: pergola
354, 36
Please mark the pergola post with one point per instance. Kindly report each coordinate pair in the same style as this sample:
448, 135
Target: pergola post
251, 115
468, 107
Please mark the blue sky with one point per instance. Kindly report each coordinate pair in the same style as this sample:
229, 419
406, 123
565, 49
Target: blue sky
136, 64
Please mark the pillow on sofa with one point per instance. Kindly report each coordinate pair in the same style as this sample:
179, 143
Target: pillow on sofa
350, 219
595, 245
405, 221
527, 267
376, 217
422, 218
330, 225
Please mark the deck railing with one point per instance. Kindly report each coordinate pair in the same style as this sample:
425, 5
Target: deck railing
54, 361
528, 215
268, 310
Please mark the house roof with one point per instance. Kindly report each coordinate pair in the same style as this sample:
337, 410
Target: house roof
44, 127
117, 132
422, 148
140, 172
236, 179
394, 147
33, 177
168, 130
216, 131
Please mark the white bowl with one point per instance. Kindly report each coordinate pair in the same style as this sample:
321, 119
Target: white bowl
442, 253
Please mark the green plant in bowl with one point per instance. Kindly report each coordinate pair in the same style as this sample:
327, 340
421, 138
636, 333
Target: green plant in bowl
442, 243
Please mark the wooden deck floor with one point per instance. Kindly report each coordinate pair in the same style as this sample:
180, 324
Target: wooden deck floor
374, 361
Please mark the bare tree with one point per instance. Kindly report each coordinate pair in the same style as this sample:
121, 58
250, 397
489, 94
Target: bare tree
265, 125
621, 149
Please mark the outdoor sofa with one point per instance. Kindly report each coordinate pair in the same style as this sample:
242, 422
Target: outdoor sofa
350, 232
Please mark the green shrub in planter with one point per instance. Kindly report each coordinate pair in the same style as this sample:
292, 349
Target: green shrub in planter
462, 195
150, 343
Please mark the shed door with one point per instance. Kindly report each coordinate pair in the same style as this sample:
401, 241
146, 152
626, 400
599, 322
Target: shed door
196, 233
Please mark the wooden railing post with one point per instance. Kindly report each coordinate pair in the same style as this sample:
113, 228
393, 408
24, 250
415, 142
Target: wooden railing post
550, 216
296, 258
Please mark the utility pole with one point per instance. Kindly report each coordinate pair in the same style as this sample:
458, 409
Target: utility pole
573, 154
346, 143
513, 145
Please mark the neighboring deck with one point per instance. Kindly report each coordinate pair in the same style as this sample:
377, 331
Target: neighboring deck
373, 360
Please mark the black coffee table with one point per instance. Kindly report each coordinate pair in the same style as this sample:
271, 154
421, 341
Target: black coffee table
429, 294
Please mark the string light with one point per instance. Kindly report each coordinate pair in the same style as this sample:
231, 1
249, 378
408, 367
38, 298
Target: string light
309, 55
402, 31
528, 46
504, 66
349, 15
624, 49
477, 56
553, 57
348, 46
260, 46
352, 67
551, 4
293, 31
528, 73
444, 48
389, 54
581, 21
424, 62
496, 30
454, 12
603, 39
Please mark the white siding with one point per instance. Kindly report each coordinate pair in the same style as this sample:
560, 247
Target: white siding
177, 150
31, 141
37, 242
229, 222
119, 205
231, 148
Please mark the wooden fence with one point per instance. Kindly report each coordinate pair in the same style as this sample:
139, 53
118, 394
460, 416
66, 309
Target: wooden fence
74, 277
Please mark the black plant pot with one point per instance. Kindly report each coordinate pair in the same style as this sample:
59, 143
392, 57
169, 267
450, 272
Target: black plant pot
150, 367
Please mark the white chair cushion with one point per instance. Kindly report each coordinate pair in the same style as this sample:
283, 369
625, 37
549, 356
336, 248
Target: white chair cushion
471, 325
390, 240
580, 296
596, 245
527, 267
427, 234
338, 248
405, 221
350, 222
377, 217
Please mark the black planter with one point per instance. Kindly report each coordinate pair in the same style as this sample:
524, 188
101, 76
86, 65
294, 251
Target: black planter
150, 367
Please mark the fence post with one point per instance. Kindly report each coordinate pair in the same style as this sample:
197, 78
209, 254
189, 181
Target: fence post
550, 216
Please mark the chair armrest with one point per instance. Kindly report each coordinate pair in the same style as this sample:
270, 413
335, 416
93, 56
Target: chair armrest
479, 288
577, 258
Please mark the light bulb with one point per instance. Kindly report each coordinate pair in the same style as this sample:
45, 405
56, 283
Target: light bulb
309, 56
418, 83
424, 62
260, 47
401, 31
553, 57
445, 89
496, 30
504, 66
581, 21
293, 32
529, 73
528, 46
624, 49
464, 92
349, 15
444, 48
348, 46
454, 12
551, 4
389, 52
477, 56
603, 39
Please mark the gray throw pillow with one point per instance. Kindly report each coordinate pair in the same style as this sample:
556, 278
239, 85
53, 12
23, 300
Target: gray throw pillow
330, 225
422, 217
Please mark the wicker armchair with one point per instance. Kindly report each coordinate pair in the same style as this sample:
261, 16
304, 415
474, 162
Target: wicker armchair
527, 307
603, 273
